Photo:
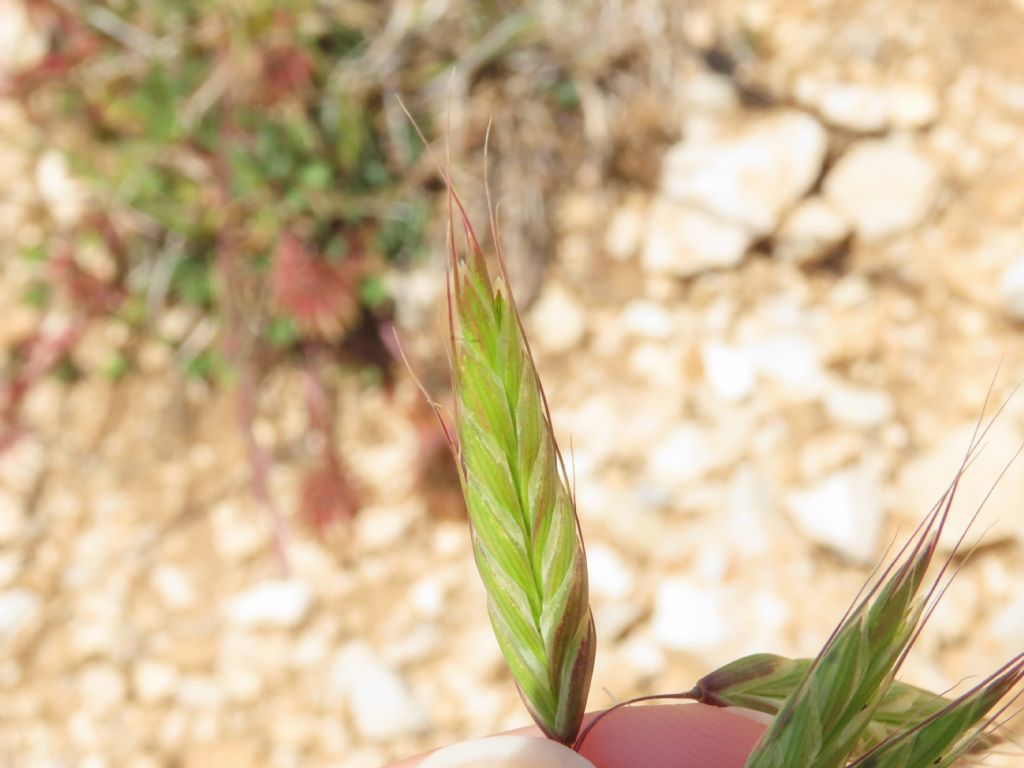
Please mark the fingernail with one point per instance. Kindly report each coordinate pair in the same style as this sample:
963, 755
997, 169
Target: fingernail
506, 752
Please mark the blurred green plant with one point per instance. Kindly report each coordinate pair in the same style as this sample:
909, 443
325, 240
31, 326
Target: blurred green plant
239, 162
248, 162
200, 124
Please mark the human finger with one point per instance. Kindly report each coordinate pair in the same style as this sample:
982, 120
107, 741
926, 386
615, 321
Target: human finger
665, 736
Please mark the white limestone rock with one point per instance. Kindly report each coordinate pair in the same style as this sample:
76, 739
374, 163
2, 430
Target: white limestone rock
843, 512
18, 609
811, 232
792, 361
428, 597
12, 517
884, 187
63, 195
102, 688
857, 107
1008, 623
154, 681
625, 232
10, 567
238, 532
683, 241
751, 177
22, 42
858, 406
173, 586
272, 604
1011, 289
609, 577
649, 320
685, 454
687, 617
729, 371
869, 107
912, 106
380, 703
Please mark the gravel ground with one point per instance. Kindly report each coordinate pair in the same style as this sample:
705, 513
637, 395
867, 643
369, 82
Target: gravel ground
768, 352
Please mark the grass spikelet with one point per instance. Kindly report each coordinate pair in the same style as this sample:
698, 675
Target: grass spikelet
821, 723
526, 538
941, 739
849, 696
764, 681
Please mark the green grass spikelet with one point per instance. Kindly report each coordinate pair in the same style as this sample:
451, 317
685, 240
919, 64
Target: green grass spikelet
526, 536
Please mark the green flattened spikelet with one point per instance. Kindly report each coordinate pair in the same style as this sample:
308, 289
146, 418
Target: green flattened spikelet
526, 538
848, 695
944, 737
820, 725
764, 681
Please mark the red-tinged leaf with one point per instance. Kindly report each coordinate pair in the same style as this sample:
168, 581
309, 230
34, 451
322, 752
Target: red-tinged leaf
320, 295
287, 71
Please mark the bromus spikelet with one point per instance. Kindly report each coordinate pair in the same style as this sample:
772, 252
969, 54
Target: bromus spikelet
942, 738
764, 681
838, 700
526, 537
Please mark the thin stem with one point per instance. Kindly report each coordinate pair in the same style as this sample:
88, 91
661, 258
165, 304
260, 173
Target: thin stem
693, 695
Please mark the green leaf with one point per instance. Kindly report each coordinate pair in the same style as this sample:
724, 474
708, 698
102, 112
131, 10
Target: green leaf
282, 332
352, 134
373, 292
117, 367
316, 175
207, 365
193, 281
37, 294
35, 254
565, 93
66, 371
401, 232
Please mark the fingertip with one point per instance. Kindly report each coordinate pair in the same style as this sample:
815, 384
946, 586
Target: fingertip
672, 736
662, 736
506, 751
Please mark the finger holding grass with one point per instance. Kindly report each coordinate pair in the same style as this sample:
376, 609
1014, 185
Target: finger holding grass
662, 736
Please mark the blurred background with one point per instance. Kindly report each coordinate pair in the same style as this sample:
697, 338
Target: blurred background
771, 254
